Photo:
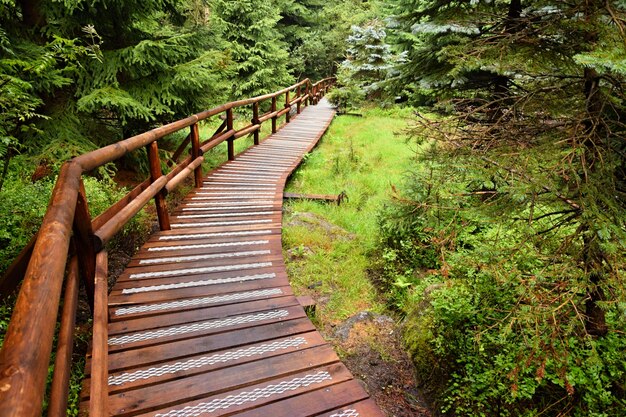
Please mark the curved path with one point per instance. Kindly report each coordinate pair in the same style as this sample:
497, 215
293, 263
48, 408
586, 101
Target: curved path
204, 322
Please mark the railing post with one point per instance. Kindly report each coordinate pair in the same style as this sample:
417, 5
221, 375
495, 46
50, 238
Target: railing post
155, 174
63, 361
275, 118
99, 390
307, 93
287, 106
255, 120
85, 248
25, 353
230, 141
299, 101
195, 153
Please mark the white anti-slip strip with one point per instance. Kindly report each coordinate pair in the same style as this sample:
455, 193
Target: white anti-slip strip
287, 161
229, 203
232, 197
227, 207
239, 188
201, 257
209, 235
244, 397
248, 177
201, 283
183, 225
264, 171
216, 215
283, 164
287, 141
247, 172
271, 153
196, 327
208, 245
292, 155
210, 182
235, 193
252, 167
203, 361
285, 146
206, 269
197, 302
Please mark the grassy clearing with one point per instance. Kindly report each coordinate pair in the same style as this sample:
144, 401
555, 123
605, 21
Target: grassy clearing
365, 157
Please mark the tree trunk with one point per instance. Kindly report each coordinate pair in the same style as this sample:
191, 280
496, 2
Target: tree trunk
5, 168
595, 321
501, 82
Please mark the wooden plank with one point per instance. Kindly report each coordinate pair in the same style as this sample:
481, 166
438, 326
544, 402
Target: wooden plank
239, 268
219, 381
365, 408
170, 267
201, 279
267, 391
331, 198
207, 314
151, 355
211, 362
335, 397
188, 331
133, 310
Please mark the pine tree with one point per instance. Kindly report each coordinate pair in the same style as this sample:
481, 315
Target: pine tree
257, 49
300, 22
369, 58
367, 66
531, 162
156, 64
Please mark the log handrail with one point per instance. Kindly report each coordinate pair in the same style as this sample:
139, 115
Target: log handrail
28, 343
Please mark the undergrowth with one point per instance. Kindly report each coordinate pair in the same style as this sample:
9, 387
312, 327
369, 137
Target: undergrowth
329, 252
495, 295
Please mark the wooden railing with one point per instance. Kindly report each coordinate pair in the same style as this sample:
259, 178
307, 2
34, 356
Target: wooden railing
70, 245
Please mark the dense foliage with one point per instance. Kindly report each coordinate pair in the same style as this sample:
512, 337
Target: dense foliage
76, 75
368, 64
506, 251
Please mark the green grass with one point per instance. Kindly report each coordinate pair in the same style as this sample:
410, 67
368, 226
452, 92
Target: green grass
365, 157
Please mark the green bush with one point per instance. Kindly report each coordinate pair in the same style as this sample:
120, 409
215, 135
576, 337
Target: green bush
494, 306
23, 204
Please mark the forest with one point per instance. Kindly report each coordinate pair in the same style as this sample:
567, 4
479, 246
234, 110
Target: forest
502, 250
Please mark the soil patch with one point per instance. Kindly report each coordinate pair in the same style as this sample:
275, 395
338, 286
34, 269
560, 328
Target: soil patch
371, 347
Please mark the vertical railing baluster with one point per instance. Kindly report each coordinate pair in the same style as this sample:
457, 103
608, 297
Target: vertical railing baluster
255, 121
195, 153
155, 174
287, 106
299, 101
98, 406
275, 118
63, 361
230, 141
85, 249
307, 93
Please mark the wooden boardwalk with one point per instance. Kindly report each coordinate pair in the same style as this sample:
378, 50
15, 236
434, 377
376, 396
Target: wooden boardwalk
204, 322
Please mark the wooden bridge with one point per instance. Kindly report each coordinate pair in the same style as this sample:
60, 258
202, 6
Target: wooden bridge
203, 320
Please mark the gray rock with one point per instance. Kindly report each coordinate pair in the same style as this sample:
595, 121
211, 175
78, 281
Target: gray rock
343, 332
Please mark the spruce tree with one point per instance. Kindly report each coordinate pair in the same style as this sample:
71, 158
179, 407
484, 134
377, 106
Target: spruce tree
259, 54
531, 163
369, 58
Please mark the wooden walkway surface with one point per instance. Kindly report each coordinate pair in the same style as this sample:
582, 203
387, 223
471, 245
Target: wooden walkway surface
204, 322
